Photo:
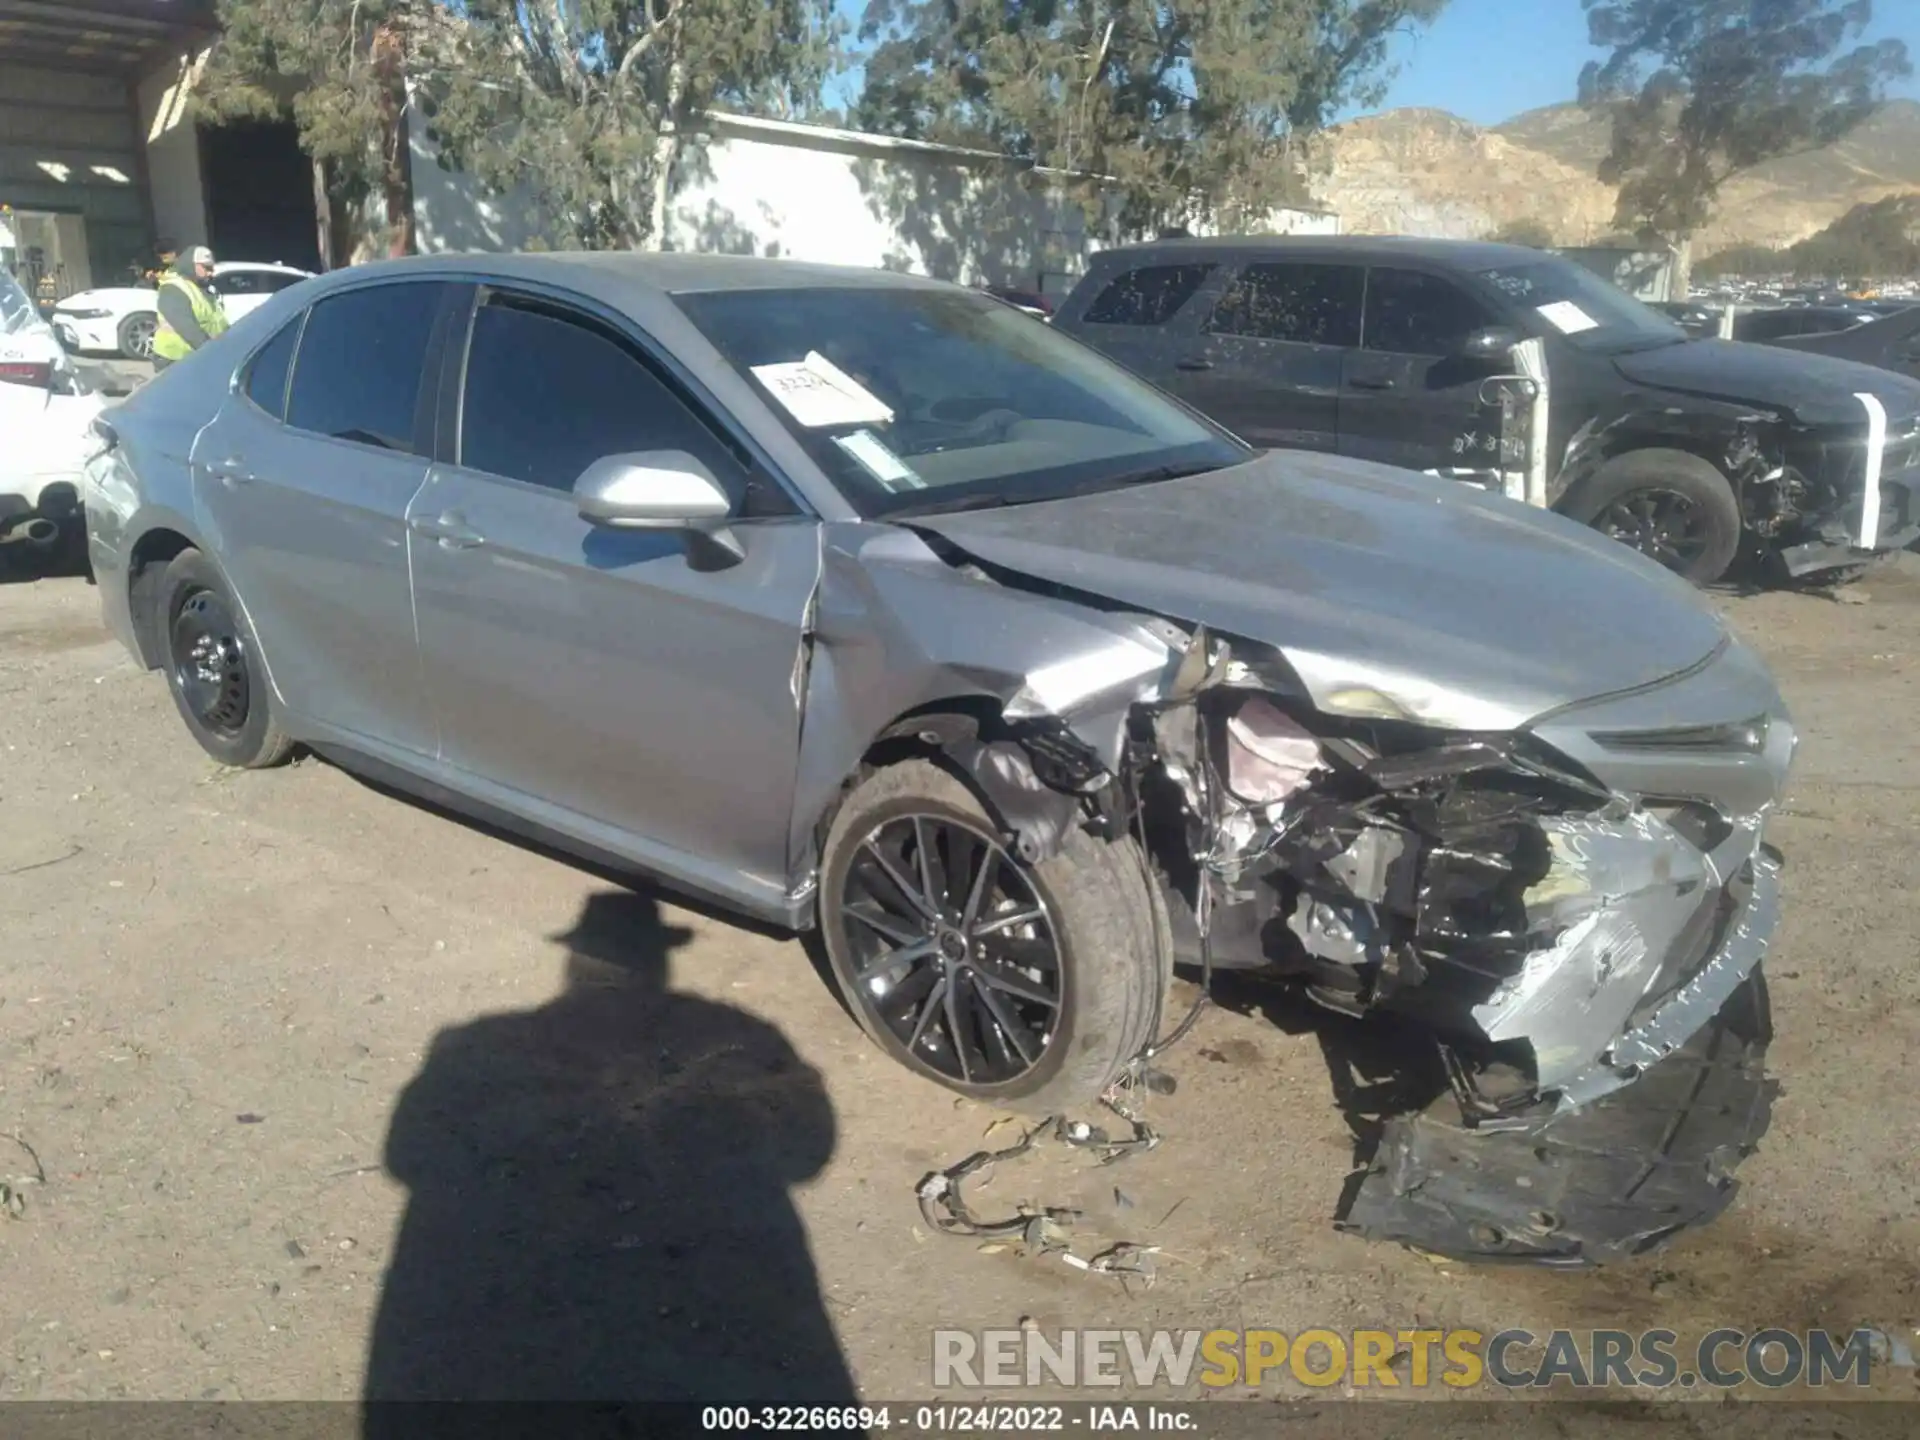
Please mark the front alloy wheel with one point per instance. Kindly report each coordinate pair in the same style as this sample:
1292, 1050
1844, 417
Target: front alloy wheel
1028, 986
954, 953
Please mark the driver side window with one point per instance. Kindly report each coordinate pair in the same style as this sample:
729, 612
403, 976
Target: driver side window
549, 391
1413, 313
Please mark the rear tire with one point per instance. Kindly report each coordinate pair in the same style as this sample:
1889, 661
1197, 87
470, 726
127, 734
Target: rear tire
1110, 948
135, 336
1671, 506
211, 657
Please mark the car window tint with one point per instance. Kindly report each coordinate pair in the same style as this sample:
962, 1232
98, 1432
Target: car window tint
266, 382
549, 393
358, 372
1307, 304
1409, 313
1151, 295
236, 282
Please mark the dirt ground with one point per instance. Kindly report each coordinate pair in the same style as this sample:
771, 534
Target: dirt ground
332, 1092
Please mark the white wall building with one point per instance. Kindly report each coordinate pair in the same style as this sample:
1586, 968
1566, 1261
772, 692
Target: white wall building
806, 192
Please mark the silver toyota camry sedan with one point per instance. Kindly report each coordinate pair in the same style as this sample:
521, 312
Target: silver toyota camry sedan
864, 603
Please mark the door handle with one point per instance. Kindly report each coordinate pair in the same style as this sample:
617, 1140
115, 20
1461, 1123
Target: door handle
450, 528
1193, 363
1370, 382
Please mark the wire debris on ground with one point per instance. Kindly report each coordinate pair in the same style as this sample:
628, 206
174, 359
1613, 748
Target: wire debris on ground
1047, 1230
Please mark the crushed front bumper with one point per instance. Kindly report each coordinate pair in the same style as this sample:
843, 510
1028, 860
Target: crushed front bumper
1638, 1148
1840, 539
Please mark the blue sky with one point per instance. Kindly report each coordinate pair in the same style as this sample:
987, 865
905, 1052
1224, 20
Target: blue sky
1487, 60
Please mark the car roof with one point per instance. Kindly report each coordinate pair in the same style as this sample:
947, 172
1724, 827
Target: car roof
624, 276
274, 266
1353, 249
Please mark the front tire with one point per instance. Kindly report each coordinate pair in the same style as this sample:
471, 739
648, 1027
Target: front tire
1027, 987
213, 668
1671, 506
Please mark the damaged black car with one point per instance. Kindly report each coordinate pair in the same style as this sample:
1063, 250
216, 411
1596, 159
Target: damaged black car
859, 603
1522, 372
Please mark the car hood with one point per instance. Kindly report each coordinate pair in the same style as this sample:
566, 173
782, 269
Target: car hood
1388, 591
111, 298
1813, 389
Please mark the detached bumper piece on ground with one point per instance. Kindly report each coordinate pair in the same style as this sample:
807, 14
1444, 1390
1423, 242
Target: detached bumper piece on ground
1603, 1182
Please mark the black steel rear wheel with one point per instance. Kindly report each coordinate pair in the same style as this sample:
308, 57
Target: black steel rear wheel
211, 658
210, 661
1030, 986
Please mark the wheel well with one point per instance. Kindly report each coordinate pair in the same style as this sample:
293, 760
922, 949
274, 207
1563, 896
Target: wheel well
152, 553
904, 737
1637, 444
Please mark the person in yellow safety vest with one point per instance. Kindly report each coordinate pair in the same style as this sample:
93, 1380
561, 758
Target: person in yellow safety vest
190, 314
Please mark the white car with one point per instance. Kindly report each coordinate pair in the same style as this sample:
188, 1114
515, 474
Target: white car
47, 411
120, 320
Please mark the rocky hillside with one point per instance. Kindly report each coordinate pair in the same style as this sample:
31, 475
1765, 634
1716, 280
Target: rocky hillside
1427, 172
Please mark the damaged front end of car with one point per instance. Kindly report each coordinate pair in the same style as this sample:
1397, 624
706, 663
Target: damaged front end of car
1582, 951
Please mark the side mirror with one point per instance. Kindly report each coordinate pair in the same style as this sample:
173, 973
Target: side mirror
662, 490
652, 490
1491, 343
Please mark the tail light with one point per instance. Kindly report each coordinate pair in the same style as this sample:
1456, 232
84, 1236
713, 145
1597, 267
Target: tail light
35, 373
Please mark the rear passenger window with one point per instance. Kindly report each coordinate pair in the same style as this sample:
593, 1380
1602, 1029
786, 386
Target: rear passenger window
1306, 304
548, 393
266, 382
1151, 295
1409, 313
358, 373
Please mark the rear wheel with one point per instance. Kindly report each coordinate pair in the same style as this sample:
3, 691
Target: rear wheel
136, 336
213, 670
1671, 506
1029, 987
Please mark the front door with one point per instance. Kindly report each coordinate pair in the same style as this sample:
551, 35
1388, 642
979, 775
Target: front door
595, 673
1408, 397
1267, 362
302, 482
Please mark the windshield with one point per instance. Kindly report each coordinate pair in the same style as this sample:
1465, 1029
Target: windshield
1590, 312
17, 311
918, 399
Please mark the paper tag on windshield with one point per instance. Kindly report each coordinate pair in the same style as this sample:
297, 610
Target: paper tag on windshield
1567, 317
878, 461
819, 393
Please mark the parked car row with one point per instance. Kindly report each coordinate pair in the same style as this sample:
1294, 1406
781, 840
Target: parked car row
120, 320
1383, 349
860, 603
47, 410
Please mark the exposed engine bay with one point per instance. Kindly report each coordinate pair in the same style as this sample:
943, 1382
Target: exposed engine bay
1574, 954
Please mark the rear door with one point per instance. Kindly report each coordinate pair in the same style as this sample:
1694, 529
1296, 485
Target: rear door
597, 671
1408, 397
302, 482
1267, 361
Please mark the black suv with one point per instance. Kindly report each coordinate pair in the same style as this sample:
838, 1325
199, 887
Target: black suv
1403, 350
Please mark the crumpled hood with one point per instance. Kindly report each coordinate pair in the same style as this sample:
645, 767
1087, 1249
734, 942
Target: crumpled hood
1467, 610
1814, 389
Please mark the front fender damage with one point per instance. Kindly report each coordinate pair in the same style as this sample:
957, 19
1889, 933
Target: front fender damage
1583, 963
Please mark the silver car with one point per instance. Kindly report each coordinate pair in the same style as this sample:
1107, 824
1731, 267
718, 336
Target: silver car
856, 601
